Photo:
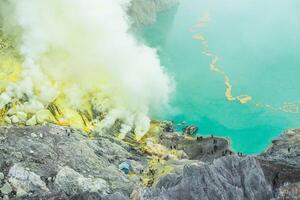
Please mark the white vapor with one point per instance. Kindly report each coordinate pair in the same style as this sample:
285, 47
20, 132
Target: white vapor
81, 50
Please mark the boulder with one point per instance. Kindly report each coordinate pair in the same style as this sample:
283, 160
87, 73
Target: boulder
71, 183
227, 178
25, 181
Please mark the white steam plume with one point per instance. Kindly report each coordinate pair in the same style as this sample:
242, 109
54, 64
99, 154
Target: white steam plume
81, 50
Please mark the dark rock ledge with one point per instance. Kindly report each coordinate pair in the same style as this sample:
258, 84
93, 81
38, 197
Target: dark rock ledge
53, 162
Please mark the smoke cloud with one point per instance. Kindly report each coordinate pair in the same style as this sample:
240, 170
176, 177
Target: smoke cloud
76, 63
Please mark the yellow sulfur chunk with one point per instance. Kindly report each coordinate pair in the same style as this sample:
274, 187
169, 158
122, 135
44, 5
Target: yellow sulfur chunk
7, 120
32, 121
22, 116
43, 116
14, 119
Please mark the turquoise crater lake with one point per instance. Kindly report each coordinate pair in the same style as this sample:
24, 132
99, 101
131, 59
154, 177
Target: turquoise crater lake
258, 46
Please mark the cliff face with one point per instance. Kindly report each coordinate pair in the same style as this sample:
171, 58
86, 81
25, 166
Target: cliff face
229, 177
281, 164
285, 149
49, 160
143, 12
275, 174
52, 162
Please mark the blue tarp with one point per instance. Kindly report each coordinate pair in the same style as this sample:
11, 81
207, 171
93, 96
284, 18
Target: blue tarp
124, 167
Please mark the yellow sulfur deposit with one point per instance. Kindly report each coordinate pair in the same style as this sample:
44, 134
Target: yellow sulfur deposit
157, 168
56, 112
243, 99
10, 65
10, 70
75, 69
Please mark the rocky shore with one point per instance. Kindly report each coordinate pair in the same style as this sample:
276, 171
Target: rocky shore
54, 162
144, 12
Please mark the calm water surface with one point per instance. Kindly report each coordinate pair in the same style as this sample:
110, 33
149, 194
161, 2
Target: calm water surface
258, 45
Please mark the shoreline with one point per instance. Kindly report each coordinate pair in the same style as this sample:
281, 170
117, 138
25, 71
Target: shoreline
65, 162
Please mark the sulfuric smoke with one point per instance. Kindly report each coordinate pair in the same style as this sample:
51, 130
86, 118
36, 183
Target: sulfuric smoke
75, 62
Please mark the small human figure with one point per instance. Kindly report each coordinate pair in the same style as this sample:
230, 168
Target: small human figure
160, 137
152, 172
215, 148
68, 132
275, 180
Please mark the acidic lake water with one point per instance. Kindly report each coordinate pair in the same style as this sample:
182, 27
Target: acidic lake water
258, 47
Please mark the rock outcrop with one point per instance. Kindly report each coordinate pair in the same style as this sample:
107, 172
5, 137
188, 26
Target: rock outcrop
281, 165
197, 148
50, 159
230, 177
143, 12
54, 162
275, 174
285, 149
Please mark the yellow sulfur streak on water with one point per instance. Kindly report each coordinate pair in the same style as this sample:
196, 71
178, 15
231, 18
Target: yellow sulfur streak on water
213, 66
286, 107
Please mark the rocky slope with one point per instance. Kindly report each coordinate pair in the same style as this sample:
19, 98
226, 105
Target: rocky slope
143, 12
275, 174
49, 159
285, 149
281, 164
53, 162
229, 177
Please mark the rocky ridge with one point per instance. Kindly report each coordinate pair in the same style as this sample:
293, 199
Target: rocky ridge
53, 162
144, 12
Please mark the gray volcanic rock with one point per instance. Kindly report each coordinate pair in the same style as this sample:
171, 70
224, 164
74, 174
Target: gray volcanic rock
281, 165
288, 191
201, 148
79, 196
275, 174
285, 149
116, 196
25, 181
71, 182
51, 158
143, 12
227, 178
59, 163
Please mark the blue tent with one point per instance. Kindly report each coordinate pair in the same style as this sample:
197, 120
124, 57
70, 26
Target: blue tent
124, 167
